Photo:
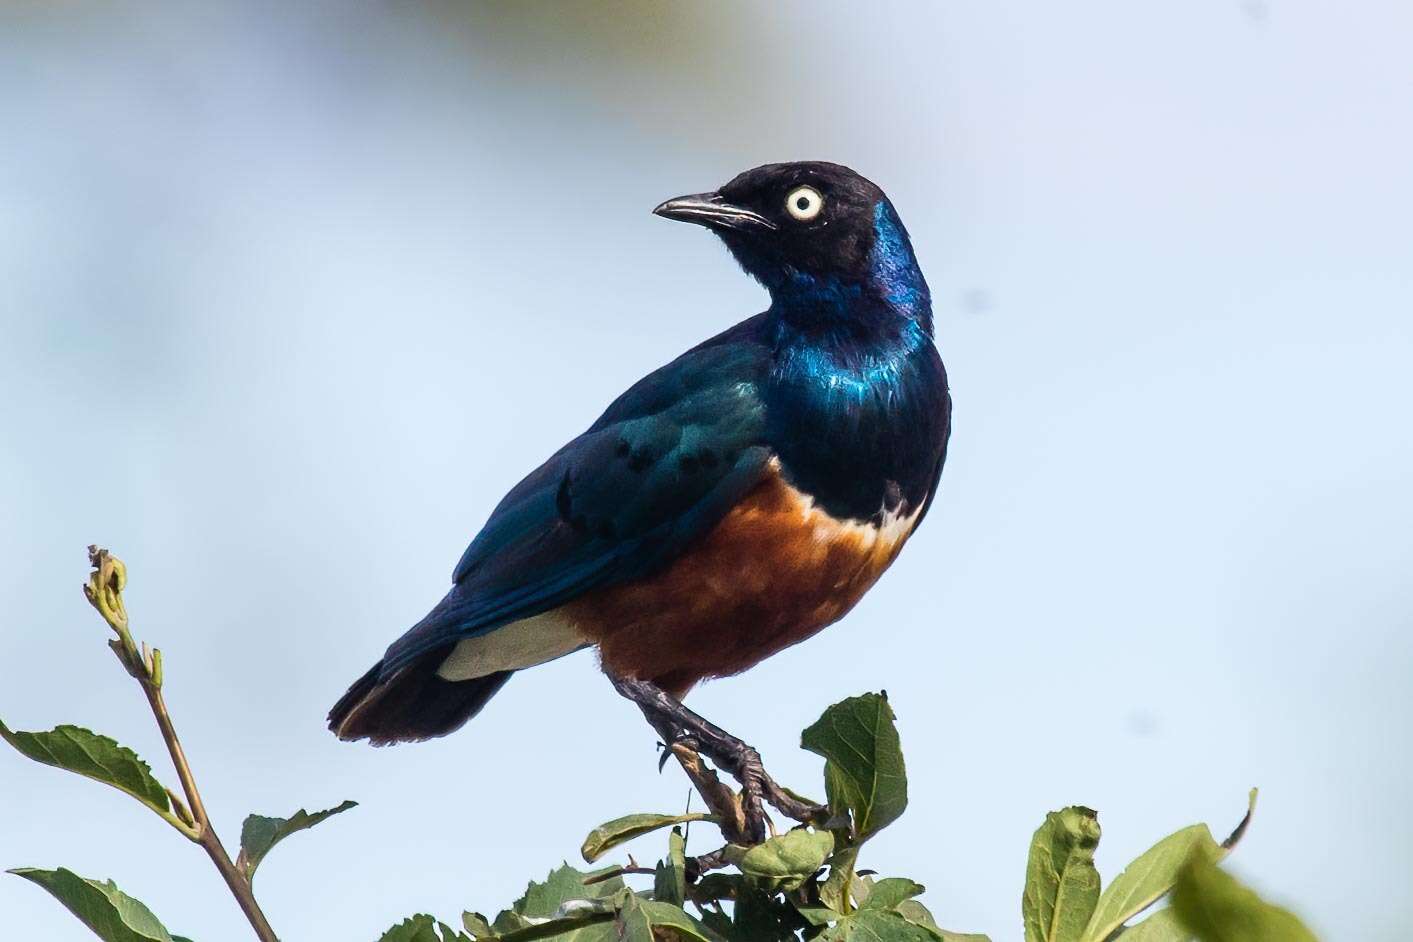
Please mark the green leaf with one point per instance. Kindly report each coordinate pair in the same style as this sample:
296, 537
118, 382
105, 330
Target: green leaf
1162, 926
258, 834
93, 756
888, 894
642, 920
876, 925
1150, 876
674, 919
633, 924
509, 921
1061, 882
451, 935
585, 925
915, 912
863, 772
562, 907
1145, 881
422, 928
475, 924
670, 877
787, 861
563, 885
835, 891
1215, 907
419, 928
817, 915
607, 836
887, 911
107, 911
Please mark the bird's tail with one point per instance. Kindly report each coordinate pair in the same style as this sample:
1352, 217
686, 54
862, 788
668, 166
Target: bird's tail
412, 704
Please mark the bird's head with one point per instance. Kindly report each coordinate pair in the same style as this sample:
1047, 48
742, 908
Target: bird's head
811, 233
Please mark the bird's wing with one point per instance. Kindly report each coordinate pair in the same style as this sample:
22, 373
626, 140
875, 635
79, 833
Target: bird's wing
663, 465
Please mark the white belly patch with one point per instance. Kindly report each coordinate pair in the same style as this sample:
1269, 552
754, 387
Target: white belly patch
513, 647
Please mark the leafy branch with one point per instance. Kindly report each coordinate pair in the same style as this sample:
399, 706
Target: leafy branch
800, 885
104, 592
111, 914
803, 884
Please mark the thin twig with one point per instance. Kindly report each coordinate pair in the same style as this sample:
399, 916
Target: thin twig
618, 872
210, 842
104, 592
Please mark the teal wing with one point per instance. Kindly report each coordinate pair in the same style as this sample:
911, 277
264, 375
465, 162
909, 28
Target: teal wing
661, 467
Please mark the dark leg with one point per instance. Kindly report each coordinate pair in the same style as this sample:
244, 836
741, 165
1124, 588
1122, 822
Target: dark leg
676, 723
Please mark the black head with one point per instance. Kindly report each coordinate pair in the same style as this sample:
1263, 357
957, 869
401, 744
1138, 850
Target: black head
782, 222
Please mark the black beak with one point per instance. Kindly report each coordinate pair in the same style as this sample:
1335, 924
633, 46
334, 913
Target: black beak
710, 210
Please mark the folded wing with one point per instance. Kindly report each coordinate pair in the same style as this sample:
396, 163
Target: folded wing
661, 467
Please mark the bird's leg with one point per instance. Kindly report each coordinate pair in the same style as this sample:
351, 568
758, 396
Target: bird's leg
676, 723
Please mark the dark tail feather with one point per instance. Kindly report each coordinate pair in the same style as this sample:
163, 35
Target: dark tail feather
411, 705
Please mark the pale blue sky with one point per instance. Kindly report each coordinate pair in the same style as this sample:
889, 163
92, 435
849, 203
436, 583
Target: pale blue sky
292, 293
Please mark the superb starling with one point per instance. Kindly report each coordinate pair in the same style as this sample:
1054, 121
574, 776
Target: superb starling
728, 505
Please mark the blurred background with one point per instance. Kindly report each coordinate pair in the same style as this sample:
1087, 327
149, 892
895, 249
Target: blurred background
291, 294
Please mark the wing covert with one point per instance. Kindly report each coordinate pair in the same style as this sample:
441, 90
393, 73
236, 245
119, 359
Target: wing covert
662, 466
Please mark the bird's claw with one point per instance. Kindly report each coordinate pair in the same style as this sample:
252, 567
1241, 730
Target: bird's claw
744, 764
677, 725
680, 738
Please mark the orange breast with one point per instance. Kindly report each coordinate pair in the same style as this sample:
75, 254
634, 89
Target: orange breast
773, 572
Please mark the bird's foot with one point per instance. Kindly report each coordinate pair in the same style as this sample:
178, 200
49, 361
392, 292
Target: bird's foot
678, 725
744, 764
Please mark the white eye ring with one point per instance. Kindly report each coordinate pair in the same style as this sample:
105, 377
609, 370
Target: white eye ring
804, 203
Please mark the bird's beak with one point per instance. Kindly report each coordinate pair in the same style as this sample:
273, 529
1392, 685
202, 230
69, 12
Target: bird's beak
710, 210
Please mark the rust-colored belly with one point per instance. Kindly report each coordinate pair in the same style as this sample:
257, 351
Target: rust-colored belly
773, 572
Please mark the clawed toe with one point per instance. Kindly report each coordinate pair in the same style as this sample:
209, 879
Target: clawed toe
679, 726
679, 739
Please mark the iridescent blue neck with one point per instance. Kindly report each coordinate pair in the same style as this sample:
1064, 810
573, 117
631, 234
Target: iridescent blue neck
889, 296
853, 337
893, 270
856, 390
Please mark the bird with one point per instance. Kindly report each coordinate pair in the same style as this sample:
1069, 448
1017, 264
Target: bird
728, 505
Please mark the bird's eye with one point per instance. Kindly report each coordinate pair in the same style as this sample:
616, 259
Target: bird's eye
804, 203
